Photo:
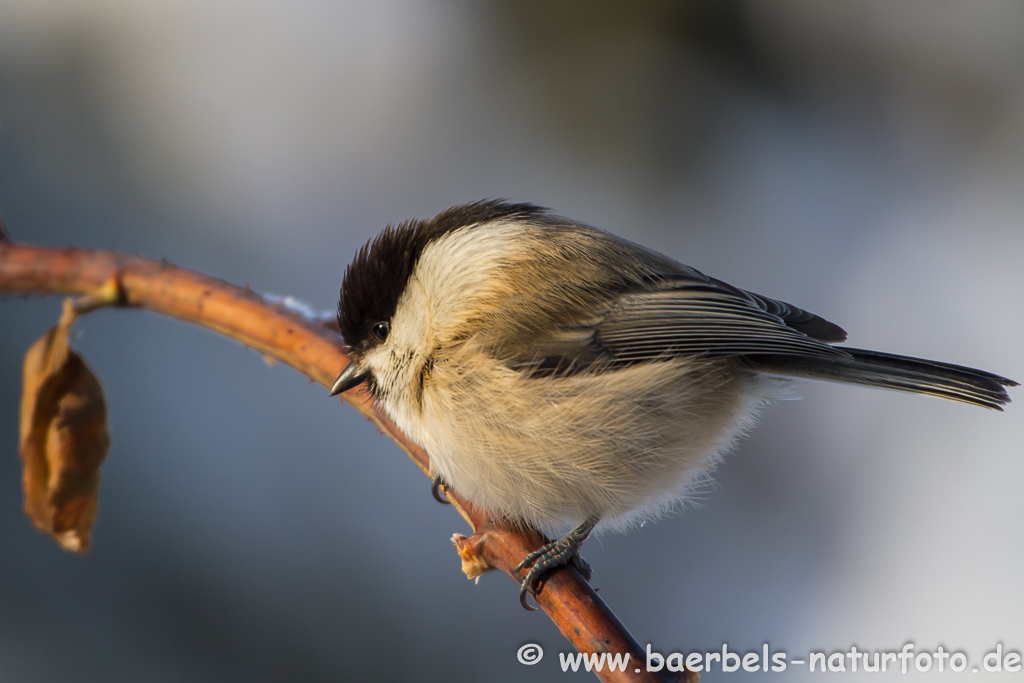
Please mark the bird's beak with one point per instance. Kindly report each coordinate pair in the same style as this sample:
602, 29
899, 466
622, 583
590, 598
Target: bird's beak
350, 377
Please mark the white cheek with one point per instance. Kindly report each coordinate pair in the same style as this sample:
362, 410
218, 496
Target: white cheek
376, 362
458, 270
396, 383
394, 367
410, 326
451, 274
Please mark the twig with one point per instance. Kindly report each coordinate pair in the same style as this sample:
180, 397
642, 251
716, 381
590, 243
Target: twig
313, 349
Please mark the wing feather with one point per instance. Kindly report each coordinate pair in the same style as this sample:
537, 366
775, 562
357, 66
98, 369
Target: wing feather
683, 317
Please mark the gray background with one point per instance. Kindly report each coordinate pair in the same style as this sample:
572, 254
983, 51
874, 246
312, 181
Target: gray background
864, 160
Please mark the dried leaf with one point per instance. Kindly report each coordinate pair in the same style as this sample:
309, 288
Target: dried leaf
64, 437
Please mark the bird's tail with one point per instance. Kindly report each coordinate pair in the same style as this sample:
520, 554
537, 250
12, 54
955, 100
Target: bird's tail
889, 371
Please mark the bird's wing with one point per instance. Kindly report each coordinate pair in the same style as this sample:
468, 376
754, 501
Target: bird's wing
683, 316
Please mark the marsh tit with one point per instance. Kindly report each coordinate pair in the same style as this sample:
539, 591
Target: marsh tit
562, 377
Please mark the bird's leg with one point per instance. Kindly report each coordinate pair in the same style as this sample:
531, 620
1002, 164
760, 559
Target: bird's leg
435, 490
553, 555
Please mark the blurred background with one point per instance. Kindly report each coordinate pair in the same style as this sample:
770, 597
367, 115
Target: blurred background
864, 160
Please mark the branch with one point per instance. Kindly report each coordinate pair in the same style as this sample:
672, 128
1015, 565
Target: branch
311, 347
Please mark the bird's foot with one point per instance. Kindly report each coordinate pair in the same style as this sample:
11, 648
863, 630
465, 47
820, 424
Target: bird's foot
553, 555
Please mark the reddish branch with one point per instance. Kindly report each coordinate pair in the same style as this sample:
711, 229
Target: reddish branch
316, 351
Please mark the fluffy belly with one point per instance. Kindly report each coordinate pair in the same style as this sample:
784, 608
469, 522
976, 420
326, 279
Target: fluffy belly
548, 452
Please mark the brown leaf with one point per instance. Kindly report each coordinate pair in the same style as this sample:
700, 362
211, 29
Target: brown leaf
63, 437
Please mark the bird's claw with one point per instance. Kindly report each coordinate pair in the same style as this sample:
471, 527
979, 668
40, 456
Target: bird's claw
541, 561
435, 490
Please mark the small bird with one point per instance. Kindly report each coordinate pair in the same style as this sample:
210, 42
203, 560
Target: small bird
562, 377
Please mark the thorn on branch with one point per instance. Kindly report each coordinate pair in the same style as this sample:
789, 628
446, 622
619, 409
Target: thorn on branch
473, 563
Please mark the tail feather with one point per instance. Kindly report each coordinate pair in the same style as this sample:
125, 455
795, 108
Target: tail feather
890, 371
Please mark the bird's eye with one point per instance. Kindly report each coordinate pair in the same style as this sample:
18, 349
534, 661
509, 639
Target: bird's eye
380, 330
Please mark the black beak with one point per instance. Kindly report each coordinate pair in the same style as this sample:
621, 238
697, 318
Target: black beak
350, 377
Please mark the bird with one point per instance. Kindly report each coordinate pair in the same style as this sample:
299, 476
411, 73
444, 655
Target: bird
561, 377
